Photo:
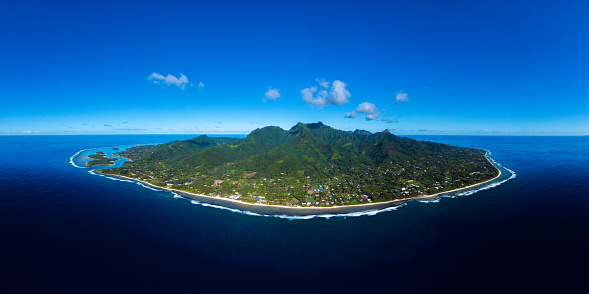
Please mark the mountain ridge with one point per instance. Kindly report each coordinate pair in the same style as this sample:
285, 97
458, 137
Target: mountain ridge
357, 166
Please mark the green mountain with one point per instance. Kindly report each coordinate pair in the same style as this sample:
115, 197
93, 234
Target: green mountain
310, 164
174, 150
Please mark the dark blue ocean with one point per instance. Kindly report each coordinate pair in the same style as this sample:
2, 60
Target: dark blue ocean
65, 230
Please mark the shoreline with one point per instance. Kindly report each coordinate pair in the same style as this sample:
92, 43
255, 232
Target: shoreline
364, 205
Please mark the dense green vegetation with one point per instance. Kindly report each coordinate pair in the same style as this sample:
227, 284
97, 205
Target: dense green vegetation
100, 159
308, 165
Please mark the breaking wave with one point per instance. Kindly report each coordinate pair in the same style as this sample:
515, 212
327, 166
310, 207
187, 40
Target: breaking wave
93, 172
470, 192
74, 156
295, 217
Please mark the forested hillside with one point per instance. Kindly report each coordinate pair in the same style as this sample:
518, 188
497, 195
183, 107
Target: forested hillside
310, 164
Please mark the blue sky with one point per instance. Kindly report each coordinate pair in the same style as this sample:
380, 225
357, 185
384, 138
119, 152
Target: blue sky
414, 67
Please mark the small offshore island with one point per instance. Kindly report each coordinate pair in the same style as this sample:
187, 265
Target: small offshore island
310, 165
100, 159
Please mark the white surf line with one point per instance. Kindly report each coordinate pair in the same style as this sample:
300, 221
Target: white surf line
73, 156
370, 212
93, 172
470, 192
132, 145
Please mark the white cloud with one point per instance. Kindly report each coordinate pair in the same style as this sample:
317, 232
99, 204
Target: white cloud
201, 85
338, 95
389, 121
323, 83
353, 114
319, 101
170, 80
272, 94
401, 97
367, 108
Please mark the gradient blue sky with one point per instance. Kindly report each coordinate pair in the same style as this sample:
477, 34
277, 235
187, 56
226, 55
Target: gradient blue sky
467, 67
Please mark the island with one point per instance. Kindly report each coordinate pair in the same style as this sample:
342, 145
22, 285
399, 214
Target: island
310, 165
100, 159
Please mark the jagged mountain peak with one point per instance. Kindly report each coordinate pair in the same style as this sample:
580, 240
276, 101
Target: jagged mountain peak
361, 132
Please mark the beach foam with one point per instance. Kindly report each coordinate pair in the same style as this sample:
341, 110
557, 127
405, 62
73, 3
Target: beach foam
148, 187
176, 195
471, 192
128, 146
430, 201
295, 217
93, 172
74, 156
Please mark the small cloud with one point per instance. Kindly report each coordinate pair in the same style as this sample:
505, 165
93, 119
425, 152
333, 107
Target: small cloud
219, 121
217, 127
423, 130
503, 132
338, 94
124, 122
308, 96
201, 85
323, 83
272, 94
169, 80
401, 97
389, 121
108, 126
367, 108
130, 130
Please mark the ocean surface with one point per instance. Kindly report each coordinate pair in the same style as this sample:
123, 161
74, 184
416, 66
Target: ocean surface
66, 229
